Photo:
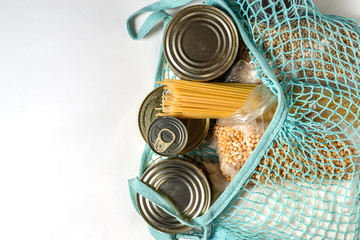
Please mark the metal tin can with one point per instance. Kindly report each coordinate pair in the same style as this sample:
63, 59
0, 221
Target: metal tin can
149, 110
184, 185
170, 136
200, 43
277, 11
196, 128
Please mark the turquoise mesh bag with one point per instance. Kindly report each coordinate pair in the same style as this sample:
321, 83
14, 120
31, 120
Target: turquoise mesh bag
302, 179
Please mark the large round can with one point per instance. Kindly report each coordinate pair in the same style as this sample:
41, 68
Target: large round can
276, 11
200, 43
170, 136
184, 185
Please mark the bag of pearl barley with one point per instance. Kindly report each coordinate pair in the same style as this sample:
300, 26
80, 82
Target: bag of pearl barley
298, 177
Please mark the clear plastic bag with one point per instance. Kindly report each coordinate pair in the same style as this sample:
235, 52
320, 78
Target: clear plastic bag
238, 135
243, 72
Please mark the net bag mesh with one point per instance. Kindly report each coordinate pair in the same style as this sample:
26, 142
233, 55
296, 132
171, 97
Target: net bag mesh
306, 185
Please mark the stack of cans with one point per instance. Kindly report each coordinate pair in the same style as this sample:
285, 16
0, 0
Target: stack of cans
184, 184
169, 136
200, 44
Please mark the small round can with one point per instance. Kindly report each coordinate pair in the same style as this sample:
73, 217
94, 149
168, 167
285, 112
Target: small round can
200, 43
277, 11
196, 128
149, 109
184, 185
170, 136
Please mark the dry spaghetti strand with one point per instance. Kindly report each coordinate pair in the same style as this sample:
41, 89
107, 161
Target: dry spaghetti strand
186, 99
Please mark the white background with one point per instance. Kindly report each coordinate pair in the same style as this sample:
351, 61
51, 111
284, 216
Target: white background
71, 84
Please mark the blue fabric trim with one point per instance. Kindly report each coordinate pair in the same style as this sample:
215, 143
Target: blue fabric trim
157, 14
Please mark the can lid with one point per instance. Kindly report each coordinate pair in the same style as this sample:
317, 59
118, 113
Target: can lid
148, 110
184, 185
167, 136
200, 43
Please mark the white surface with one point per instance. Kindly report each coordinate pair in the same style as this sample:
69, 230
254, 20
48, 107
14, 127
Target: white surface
71, 83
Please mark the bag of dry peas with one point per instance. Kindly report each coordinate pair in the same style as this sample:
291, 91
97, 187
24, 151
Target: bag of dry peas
237, 135
302, 179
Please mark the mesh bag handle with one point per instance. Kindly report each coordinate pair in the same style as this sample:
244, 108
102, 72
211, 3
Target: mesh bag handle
158, 13
136, 186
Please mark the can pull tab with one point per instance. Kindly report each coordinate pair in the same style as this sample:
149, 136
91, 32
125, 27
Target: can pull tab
160, 144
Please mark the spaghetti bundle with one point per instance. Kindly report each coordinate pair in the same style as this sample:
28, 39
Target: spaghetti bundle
185, 99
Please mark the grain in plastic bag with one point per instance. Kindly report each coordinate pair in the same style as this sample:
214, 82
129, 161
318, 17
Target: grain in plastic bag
238, 134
